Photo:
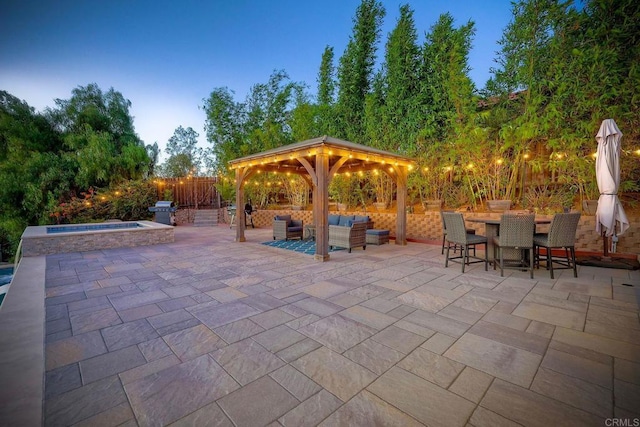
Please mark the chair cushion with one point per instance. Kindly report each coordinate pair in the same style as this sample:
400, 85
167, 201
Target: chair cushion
344, 220
541, 239
377, 232
334, 219
294, 229
283, 218
473, 239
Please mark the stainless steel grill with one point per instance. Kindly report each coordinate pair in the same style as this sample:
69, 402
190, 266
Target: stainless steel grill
164, 212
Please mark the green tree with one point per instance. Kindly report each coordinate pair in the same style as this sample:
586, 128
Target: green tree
260, 123
224, 127
98, 129
401, 117
447, 92
185, 157
355, 70
176, 166
103, 112
326, 115
153, 152
326, 78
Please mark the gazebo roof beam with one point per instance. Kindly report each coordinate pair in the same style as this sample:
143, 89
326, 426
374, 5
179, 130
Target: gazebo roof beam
332, 147
300, 170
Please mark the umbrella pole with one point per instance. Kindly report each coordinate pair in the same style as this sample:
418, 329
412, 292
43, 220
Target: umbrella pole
606, 246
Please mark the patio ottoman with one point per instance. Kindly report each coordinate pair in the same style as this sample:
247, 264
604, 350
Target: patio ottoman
377, 237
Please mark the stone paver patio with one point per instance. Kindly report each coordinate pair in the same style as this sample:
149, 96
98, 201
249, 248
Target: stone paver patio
206, 331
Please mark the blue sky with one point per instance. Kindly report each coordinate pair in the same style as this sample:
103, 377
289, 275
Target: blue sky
166, 56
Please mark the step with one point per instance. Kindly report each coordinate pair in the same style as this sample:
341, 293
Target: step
205, 224
207, 214
206, 218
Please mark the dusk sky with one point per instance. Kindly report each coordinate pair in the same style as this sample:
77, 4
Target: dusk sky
167, 56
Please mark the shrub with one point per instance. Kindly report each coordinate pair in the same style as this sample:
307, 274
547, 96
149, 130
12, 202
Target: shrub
127, 201
11, 230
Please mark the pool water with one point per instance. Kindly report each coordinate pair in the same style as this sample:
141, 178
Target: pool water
91, 227
6, 274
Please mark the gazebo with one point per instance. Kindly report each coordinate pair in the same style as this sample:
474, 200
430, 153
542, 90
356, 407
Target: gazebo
317, 161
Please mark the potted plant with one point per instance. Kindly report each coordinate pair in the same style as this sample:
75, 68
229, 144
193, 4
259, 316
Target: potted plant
430, 189
383, 188
339, 190
498, 205
297, 192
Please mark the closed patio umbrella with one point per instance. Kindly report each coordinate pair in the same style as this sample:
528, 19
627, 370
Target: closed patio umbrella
610, 211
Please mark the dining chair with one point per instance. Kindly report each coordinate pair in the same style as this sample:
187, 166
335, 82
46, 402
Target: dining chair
444, 233
457, 235
516, 232
561, 235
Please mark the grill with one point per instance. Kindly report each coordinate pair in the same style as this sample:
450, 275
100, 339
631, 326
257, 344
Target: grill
165, 212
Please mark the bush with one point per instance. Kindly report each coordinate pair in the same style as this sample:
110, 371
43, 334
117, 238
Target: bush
11, 230
127, 201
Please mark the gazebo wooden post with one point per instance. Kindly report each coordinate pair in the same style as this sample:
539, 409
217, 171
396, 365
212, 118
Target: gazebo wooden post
240, 175
401, 198
321, 206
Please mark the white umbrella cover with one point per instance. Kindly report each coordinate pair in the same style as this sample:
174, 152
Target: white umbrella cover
610, 209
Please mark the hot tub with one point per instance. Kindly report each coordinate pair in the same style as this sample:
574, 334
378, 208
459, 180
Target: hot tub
54, 239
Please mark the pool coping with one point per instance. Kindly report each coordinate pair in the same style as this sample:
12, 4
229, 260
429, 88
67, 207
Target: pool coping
22, 322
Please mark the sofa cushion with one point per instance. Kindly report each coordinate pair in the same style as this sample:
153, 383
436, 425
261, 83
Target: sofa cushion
345, 219
361, 218
334, 219
294, 229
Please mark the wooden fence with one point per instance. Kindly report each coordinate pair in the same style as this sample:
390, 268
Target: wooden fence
193, 192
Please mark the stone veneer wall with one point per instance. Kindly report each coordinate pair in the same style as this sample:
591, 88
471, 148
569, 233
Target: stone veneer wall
90, 241
428, 226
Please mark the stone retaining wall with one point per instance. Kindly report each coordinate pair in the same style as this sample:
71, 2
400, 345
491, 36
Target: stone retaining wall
428, 226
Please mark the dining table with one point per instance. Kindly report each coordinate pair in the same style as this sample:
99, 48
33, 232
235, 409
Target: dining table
492, 229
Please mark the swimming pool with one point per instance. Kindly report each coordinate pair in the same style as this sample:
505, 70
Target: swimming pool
6, 274
55, 239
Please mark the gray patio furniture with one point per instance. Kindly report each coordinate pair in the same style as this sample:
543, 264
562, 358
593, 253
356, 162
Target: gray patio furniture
561, 235
348, 237
285, 228
444, 233
457, 235
516, 232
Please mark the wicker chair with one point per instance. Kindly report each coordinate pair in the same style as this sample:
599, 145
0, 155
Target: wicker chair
562, 234
285, 228
457, 235
348, 237
444, 234
516, 232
